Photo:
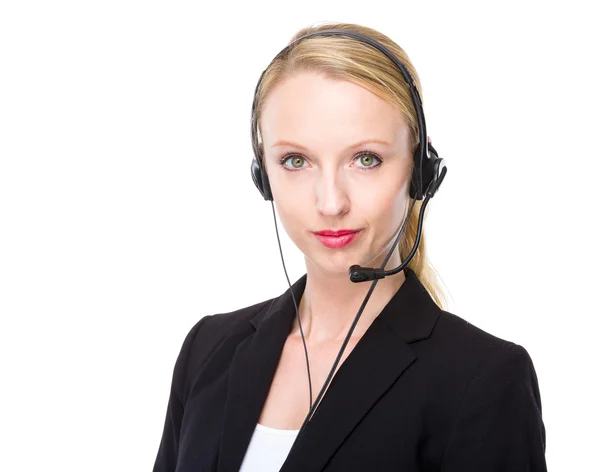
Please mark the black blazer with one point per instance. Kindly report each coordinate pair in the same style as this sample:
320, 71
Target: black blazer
423, 390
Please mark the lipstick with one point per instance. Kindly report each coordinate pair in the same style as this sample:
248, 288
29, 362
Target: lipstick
337, 239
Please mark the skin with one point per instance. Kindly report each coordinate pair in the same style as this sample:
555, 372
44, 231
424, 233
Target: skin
329, 187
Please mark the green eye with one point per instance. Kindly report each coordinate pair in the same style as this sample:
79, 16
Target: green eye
368, 160
293, 162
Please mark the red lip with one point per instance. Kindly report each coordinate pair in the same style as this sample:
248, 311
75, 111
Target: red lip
337, 233
336, 239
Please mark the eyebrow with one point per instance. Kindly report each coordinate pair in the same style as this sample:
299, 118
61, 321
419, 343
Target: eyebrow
284, 142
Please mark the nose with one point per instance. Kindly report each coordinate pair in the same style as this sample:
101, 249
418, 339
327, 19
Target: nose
332, 198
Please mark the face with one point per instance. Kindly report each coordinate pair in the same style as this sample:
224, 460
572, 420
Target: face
338, 158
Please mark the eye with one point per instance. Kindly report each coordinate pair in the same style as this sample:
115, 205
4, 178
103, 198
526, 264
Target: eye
295, 163
367, 160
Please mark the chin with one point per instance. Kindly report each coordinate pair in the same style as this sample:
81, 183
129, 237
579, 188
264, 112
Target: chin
334, 264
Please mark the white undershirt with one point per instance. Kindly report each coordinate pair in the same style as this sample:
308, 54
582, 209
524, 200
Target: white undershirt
268, 449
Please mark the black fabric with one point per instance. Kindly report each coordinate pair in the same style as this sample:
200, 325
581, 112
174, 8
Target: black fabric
423, 390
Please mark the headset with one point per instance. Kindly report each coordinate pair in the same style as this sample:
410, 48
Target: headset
428, 173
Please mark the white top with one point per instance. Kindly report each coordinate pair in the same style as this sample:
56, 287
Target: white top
268, 449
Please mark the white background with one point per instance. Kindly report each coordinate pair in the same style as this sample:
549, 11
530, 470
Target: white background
127, 210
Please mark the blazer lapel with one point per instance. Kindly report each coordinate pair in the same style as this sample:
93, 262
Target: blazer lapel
250, 376
376, 362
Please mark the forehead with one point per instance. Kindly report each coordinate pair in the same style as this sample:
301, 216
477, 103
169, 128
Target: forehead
308, 107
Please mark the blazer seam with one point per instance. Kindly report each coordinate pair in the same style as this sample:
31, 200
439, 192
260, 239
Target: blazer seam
268, 310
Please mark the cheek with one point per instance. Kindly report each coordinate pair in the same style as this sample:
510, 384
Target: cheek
382, 208
290, 185
293, 213
381, 186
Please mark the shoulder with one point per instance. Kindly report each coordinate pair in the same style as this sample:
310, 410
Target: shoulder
496, 407
211, 330
460, 339
461, 352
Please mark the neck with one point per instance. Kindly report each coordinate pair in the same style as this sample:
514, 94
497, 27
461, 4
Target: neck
330, 303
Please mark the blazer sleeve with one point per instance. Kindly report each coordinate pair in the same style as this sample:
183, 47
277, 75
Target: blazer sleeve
166, 458
499, 427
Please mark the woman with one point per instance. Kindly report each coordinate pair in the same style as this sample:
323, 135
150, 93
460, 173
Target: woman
403, 384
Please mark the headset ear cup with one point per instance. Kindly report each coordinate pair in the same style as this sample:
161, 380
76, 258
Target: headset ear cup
266, 185
261, 180
415, 178
431, 176
434, 171
413, 189
439, 173
256, 177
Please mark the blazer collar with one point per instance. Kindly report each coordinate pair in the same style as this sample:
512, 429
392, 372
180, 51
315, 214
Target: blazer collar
411, 313
377, 360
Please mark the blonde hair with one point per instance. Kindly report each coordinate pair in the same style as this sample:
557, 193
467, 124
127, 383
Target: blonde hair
345, 58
